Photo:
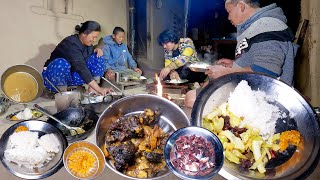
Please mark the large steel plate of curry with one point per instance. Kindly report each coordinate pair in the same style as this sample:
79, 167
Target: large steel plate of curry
299, 161
22, 83
170, 118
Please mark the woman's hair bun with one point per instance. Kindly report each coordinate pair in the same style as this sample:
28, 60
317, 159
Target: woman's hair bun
78, 27
87, 27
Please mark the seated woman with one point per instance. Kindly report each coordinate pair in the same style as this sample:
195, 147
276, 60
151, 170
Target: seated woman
74, 62
177, 54
117, 56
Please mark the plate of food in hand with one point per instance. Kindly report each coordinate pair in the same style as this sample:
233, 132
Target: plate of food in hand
199, 67
176, 81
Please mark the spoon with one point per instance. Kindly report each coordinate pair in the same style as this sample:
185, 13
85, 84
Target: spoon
73, 130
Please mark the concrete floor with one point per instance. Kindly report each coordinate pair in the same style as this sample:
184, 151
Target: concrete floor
107, 174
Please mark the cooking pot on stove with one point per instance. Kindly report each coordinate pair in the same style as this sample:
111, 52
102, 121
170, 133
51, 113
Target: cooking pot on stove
304, 119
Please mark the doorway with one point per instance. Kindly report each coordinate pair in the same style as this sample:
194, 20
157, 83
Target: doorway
206, 17
151, 18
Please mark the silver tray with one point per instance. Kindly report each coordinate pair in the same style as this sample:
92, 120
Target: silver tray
289, 100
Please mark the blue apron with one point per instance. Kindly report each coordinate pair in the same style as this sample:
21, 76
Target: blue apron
59, 72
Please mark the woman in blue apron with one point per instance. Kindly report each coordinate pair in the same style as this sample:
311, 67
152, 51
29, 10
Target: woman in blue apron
74, 62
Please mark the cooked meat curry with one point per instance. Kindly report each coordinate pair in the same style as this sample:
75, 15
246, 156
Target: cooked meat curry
135, 144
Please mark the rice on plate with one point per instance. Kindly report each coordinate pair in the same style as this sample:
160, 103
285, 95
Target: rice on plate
28, 150
246, 126
255, 108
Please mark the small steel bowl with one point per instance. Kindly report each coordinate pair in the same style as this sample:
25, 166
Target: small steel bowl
48, 169
201, 132
88, 147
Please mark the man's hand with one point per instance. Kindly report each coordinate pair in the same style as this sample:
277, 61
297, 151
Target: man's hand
99, 52
217, 71
137, 70
174, 75
164, 72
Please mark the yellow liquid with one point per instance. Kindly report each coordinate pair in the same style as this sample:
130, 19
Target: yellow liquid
20, 87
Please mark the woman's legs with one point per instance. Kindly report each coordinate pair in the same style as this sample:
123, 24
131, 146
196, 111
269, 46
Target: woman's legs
96, 66
58, 72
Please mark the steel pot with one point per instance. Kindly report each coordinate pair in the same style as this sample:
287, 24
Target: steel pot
288, 99
67, 99
26, 69
171, 119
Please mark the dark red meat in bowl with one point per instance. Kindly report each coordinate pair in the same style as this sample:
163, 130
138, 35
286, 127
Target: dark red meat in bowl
194, 153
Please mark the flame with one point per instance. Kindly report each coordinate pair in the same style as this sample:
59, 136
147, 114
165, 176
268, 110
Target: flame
159, 86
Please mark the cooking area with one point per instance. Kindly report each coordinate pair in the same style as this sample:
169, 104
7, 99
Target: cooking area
92, 105
160, 89
96, 107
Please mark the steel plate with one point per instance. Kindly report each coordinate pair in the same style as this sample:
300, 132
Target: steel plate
289, 100
50, 168
176, 82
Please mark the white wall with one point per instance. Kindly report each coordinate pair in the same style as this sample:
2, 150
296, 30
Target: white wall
315, 51
29, 32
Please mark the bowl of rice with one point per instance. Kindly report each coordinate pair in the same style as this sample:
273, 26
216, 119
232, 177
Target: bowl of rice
268, 130
84, 160
32, 149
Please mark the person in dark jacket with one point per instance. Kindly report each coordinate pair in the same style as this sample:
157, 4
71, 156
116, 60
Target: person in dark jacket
74, 62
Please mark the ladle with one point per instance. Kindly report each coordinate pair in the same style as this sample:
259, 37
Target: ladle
55, 87
73, 130
113, 85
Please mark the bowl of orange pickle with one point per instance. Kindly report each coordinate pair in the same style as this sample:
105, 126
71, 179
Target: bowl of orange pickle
84, 160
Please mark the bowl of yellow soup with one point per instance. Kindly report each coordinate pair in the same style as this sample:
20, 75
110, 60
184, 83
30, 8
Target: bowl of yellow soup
22, 83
